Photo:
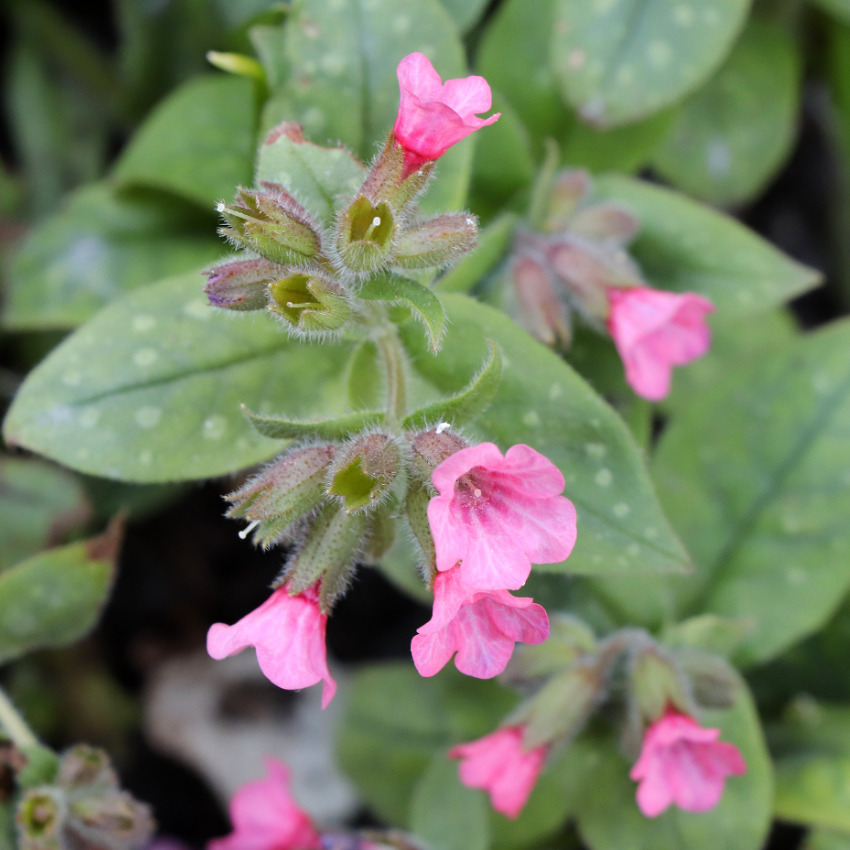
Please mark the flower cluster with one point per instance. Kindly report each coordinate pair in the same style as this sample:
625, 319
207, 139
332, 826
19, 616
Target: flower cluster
579, 264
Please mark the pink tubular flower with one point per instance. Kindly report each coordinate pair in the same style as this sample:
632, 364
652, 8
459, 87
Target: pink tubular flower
655, 331
289, 635
683, 764
266, 817
498, 764
432, 116
498, 515
482, 626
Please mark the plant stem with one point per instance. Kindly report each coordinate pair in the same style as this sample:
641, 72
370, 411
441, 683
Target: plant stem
390, 347
14, 725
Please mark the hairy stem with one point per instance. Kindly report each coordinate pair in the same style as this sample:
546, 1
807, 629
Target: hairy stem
14, 725
393, 356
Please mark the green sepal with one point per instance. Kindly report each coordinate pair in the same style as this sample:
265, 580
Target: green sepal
281, 428
464, 406
40, 769
423, 303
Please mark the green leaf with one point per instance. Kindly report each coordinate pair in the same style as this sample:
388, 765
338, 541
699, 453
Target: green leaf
839, 8
466, 405
824, 839
448, 815
541, 401
493, 243
527, 82
421, 301
315, 176
198, 143
55, 598
753, 477
39, 504
608, 816
149, 389
465, 12
342, 58
687, 247
708, 633
812, 749
733, 135
281, 428
100, 245
622, 60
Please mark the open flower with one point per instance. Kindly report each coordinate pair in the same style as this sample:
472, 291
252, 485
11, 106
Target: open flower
498, 515
683, 764
499, 764
433, 116
266, 817
482, 626
655, 331
289, 635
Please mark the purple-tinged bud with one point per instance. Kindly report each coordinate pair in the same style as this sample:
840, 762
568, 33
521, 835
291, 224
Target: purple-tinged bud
113, 820
435, 243
83, 766
287, 489
242, 284
363, 472
309, 302
541, 311
589, 269
607, 221
271, 222
568, 192
431, 448
364, 234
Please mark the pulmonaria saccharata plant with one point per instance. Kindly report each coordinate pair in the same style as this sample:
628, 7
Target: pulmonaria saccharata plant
577, 263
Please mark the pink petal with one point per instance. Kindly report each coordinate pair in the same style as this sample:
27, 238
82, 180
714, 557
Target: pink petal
468, 97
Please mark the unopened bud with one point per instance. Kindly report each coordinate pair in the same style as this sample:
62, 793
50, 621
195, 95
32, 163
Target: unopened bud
589, 270
541, 311
570, 189
241, 284
384, 182
606, 221
271, 222
328, 552
41, 817
559, 711
713, 681
364, 471
364, 234
284, 491
431, 448
111, 820
435, 243
657, 684
84, 766
309, 302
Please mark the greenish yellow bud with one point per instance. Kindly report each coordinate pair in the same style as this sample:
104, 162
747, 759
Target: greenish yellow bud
309, 302
364, 234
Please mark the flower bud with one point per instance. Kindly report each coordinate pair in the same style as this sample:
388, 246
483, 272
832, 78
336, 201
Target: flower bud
284, 491
561, 708
431, 448
83, 766
608, 222
271, 222
435, 243
364, 234
309, 302
657, 684
541, 311
589, 270
328, 552
110, 820
384, 182
241, 284
569, 190
40, 817
364, 471
713, 681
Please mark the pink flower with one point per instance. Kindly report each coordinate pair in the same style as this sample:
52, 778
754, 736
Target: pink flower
655, 331
498, 515
482, 626
683, 764
265, 816
289, 635
432, 116
499, 764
